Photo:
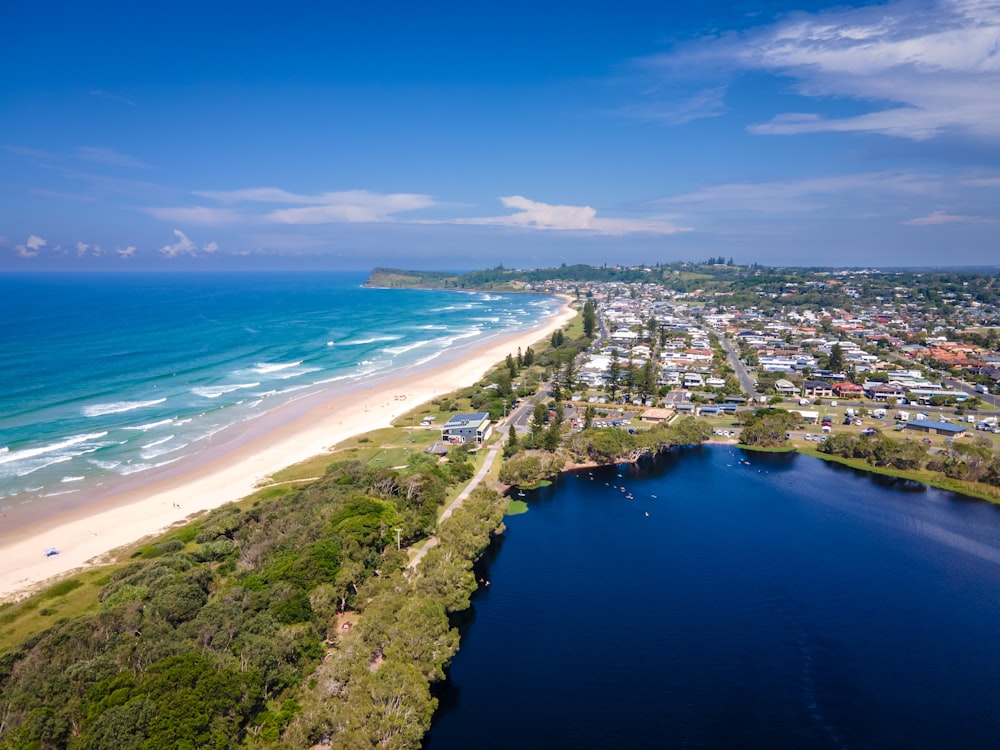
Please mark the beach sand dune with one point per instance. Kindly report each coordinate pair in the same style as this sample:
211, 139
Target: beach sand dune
86, 534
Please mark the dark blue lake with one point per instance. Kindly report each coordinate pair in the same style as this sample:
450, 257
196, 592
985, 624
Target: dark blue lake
784, 603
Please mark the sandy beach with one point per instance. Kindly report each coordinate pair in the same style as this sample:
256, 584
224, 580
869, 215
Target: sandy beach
85, 534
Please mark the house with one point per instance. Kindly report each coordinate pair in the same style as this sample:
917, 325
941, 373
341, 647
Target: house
785, 387
463, 428
848, 390
884, 391
816, 389
693, 380
657, 415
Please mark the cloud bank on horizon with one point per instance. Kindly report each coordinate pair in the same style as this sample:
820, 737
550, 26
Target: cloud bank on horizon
821, 135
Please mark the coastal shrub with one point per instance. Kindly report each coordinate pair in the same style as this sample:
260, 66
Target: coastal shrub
216, 550
148, 552
158, 549
187, 533
293, 606
177, 602
123, 594
61, 589
222, 522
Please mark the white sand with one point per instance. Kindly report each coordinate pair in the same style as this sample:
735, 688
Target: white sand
86, 534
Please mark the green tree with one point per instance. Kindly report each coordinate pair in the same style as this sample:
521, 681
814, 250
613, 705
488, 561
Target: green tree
589, 319
614, 373
529, 357
539, 415
767, 427
511, 446
836, 361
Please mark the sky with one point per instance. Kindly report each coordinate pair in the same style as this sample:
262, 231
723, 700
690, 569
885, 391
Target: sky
307, 135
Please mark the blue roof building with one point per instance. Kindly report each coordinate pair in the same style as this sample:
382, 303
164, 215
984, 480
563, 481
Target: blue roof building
935, 428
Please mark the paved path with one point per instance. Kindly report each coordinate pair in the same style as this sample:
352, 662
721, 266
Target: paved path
473, 483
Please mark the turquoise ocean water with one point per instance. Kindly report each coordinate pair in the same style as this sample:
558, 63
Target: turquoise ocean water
104, 377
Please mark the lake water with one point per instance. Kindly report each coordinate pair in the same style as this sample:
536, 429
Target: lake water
780, 603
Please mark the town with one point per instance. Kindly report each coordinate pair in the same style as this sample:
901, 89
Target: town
897, 367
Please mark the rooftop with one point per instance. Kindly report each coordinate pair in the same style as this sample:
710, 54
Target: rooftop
458, 421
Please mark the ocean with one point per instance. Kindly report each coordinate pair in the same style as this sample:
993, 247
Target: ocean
104, 377
697, 601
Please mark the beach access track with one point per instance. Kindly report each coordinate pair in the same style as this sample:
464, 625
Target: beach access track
473, 483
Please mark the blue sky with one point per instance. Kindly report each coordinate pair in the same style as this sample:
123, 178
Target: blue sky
445, 135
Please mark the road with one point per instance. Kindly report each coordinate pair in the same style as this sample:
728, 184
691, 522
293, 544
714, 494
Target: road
960, 385
746, 382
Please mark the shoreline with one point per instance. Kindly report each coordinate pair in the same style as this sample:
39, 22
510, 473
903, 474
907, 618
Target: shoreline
86, 534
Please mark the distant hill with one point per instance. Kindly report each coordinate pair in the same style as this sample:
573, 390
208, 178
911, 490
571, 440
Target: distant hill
397, 278
507, 279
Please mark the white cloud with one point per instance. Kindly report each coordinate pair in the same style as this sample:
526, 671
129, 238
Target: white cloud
108, 156
348, 206
259, 195
941, 217
984, 181
925, 68
126, 252
81, 249
535, 215
677, 110
183, 246
807, 194
210, 217
31, 247
210, 247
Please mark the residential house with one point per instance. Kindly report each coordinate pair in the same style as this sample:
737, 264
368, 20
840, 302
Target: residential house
785, 387
848, 390
816, 389
464, 428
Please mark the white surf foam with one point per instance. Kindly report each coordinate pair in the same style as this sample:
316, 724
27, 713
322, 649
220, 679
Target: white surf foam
32, 466
20, 455
266, 368
118, 407
214, 391
126, 469
155, 443
395, 351
288, 375
370, 340
106, 465
150, 425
